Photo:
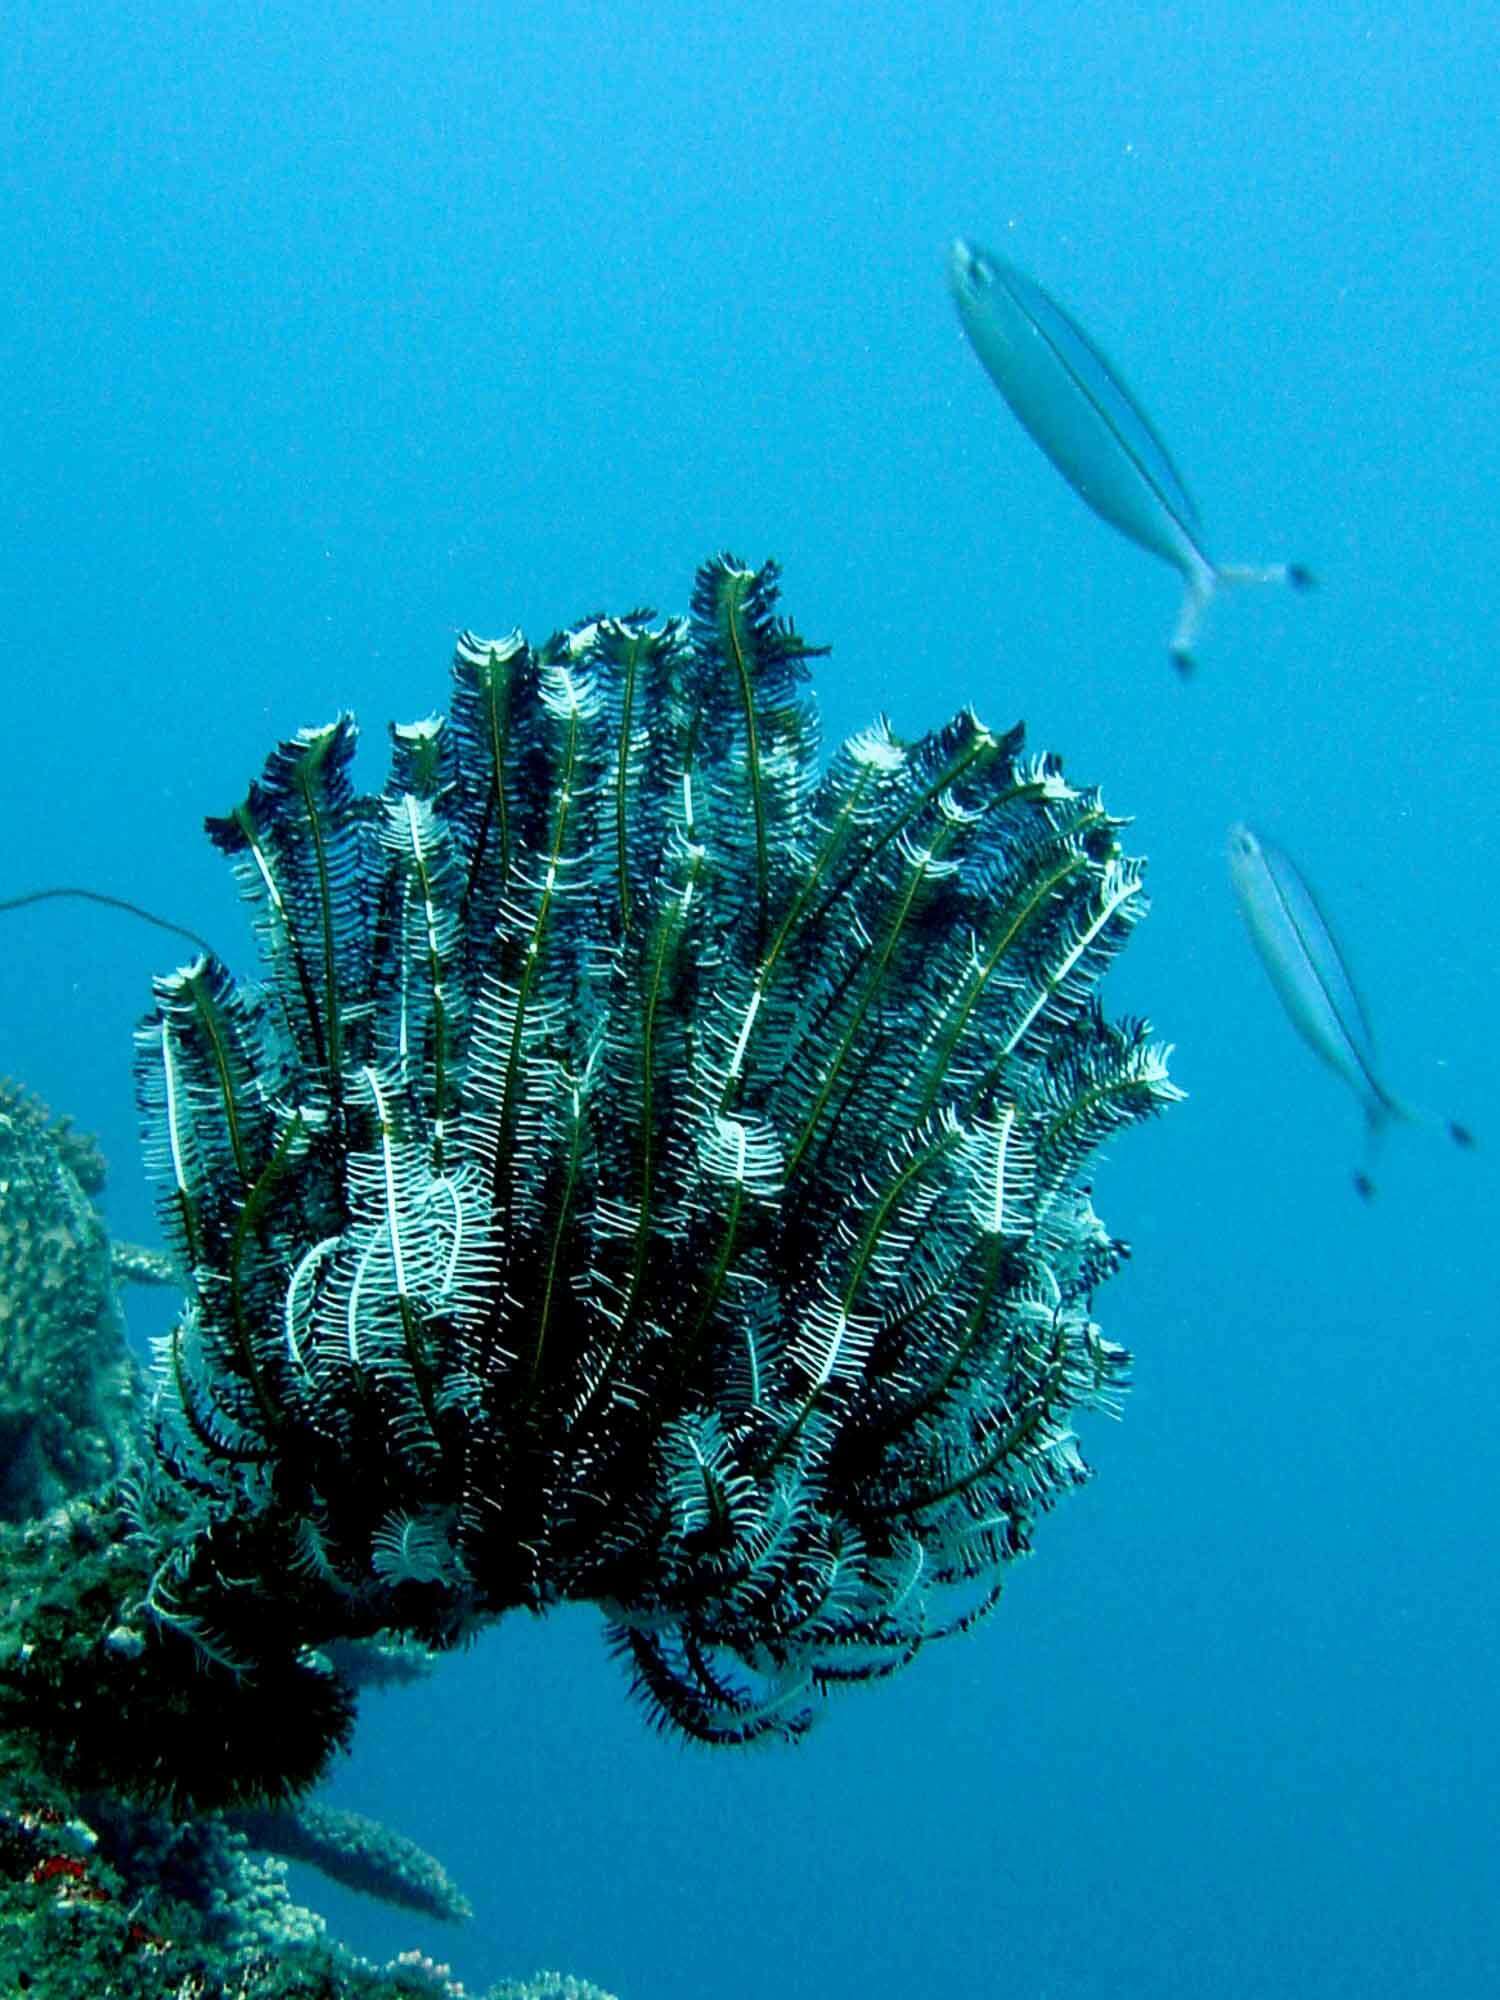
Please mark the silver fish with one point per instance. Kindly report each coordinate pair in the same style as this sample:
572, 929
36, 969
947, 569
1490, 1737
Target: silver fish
1094, 431
1297, 948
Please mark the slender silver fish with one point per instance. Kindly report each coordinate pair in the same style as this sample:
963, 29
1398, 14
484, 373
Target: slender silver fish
1307, 969
1094, 431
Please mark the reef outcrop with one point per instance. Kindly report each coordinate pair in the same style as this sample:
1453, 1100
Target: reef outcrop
67, 1384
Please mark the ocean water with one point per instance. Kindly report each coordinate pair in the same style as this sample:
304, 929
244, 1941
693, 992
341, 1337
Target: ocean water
328, 331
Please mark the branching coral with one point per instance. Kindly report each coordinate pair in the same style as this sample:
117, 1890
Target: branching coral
96, 1899
649, 1173
361, 1853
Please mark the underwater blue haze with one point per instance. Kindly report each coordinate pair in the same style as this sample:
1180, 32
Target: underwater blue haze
328, 331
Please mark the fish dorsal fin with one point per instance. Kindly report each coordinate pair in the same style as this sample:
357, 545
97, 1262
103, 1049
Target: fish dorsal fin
1100, 382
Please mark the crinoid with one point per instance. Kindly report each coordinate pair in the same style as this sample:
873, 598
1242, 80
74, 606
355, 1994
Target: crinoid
649, 1171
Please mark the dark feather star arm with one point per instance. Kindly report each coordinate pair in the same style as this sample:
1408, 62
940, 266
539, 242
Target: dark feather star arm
647, 1170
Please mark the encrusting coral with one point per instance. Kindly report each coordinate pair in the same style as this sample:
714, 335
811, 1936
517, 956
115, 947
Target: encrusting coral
649, 1172
67, 1383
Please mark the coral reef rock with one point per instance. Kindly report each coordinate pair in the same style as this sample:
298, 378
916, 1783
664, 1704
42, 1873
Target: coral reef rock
67, 1384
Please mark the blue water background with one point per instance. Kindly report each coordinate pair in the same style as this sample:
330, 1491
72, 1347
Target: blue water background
327, 331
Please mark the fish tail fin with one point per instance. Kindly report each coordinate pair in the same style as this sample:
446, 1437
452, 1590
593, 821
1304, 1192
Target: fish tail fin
1204, 578
1199, 590
1201, 585
1380, 1109
1393, 1107
1294, 576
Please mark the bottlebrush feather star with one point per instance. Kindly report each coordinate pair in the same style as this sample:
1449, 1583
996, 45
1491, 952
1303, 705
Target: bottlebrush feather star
647, 1171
